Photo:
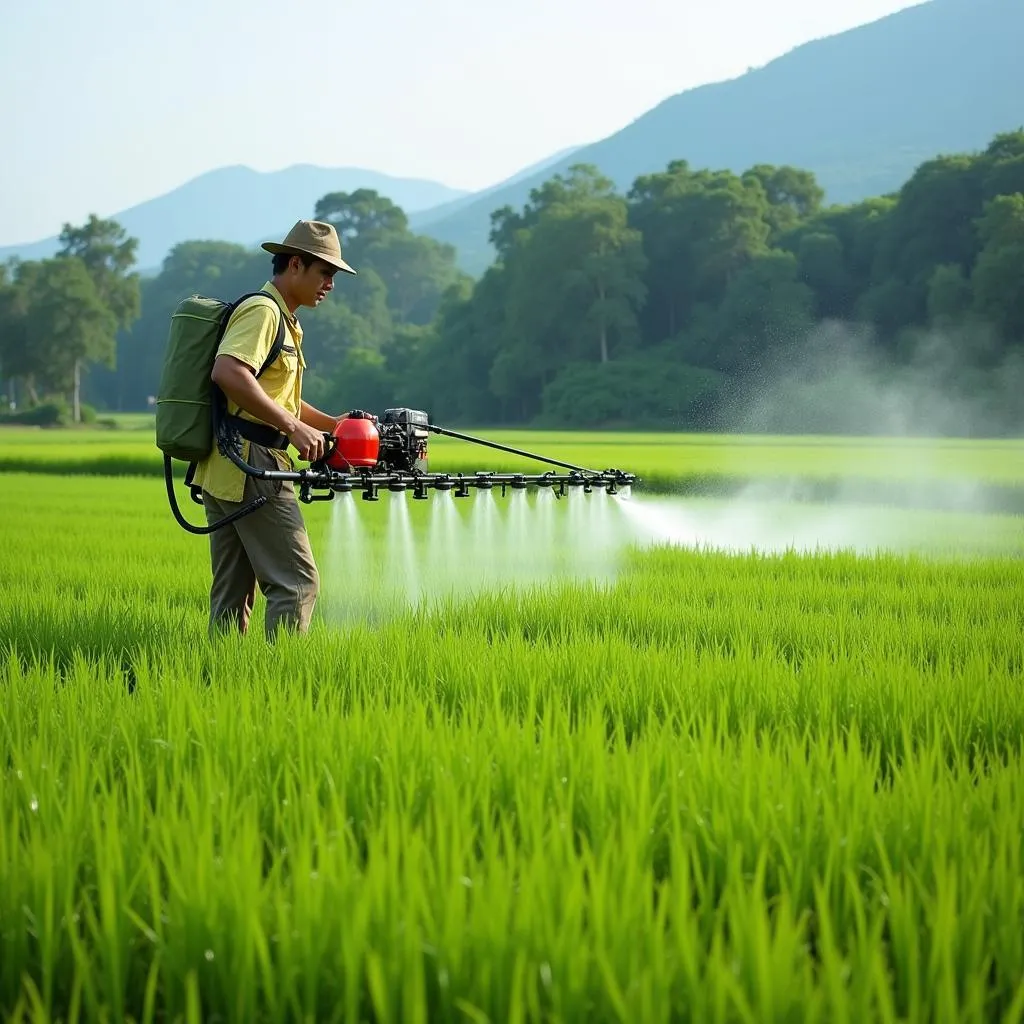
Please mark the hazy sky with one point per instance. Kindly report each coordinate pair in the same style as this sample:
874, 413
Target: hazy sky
110, 102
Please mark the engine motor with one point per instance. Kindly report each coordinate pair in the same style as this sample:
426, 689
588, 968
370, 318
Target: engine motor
403, 440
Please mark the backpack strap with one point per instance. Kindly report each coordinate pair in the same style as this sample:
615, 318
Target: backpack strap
278, 345
256, 432
275, 349
259, 433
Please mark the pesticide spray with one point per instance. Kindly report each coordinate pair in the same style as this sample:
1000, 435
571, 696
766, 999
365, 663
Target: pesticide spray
451, 548
459, 534
477, 536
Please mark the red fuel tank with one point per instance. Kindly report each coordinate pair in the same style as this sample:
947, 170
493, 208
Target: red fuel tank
358, 443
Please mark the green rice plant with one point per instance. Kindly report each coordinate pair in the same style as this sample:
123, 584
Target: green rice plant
701, 785
370, 846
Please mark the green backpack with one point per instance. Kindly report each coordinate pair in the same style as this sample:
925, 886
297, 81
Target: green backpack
184, 405
185, 400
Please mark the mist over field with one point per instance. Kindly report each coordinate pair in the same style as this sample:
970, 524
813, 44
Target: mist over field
939, 383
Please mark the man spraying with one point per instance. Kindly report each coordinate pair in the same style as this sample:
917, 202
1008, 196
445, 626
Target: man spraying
264, 404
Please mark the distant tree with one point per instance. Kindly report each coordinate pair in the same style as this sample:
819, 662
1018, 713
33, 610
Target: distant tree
998, 274
605, 279
104, 251
361, 218
414, 269
792, 194
582, 181
64, 323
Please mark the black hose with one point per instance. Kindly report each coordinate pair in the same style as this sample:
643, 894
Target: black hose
202, 530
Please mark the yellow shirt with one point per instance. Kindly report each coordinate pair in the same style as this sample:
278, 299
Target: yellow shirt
249, 337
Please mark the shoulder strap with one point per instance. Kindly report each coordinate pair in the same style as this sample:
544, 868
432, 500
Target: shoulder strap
275, 349
218, 407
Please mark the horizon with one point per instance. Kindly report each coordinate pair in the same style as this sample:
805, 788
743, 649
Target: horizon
120, 158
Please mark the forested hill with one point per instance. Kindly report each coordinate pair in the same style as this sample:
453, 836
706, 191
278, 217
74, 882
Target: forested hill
860, 110
695, 299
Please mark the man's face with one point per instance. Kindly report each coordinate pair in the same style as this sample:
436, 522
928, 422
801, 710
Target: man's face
312, 284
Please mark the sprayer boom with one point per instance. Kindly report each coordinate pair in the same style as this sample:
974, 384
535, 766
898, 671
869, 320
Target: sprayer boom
393, 457
370, 455
334, 482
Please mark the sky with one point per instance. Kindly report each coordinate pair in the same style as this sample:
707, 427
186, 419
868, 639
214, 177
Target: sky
112, 102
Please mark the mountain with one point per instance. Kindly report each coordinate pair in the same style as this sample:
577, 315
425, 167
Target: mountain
419, 220
861, 109
238, 204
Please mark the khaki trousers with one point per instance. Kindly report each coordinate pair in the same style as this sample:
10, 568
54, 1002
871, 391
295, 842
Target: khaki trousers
268, 547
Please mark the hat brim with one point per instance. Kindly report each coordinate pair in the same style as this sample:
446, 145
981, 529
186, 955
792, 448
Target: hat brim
277, 247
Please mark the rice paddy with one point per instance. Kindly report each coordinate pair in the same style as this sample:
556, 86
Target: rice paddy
730, 758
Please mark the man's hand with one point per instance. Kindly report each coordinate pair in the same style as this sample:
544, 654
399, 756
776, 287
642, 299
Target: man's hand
308, 441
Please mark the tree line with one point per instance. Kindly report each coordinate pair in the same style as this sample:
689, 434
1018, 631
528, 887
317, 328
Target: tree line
676, 304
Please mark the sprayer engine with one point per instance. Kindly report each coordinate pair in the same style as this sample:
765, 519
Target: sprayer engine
403, 440
397, 443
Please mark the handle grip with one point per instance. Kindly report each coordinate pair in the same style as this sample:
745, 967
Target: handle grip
330, 443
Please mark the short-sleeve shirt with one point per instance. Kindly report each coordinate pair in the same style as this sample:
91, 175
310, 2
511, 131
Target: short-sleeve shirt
249, 337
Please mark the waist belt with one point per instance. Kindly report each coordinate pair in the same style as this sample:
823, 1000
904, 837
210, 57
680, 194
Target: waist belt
259, 433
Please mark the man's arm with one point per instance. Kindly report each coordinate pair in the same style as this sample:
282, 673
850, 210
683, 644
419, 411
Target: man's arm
238, 382
315, 418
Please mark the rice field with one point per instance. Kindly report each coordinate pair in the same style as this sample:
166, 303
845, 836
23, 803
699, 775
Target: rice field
680, 759
659, 457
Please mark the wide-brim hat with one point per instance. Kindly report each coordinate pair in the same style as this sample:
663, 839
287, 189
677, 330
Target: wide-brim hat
315, 238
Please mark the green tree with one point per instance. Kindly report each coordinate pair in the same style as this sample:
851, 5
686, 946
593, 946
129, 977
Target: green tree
998, 275
606, 280
793, 195
67, 324
414, 269
822, 266
6, 342
107, 254
949, 294
13, 345
361, 218
570, 279
699, 230
579, 183
765, 311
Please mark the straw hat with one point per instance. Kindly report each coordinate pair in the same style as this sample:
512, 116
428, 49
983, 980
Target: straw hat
314, 237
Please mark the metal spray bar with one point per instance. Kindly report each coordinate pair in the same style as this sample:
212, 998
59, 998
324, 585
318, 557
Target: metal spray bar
459, 483
331, 481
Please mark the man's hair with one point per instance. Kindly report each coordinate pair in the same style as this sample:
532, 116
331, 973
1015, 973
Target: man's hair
282, 259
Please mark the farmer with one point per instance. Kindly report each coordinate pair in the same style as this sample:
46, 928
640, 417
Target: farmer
269, 546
